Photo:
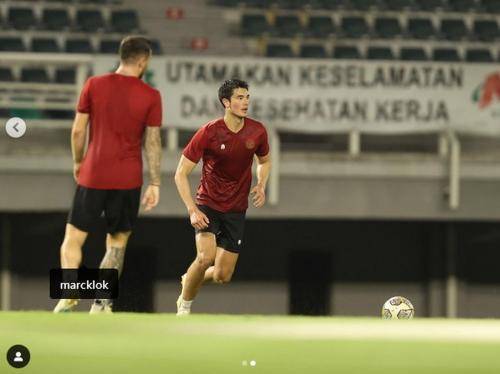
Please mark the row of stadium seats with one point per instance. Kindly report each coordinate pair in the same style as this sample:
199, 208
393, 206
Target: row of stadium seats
39, 75
69, 2
354, 27
71, 45
381, 53
478, 6
87, 20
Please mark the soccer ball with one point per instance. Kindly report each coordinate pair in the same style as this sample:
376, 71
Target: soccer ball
398, 307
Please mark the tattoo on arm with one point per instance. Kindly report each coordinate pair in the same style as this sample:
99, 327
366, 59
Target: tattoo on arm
153, 154
113, 259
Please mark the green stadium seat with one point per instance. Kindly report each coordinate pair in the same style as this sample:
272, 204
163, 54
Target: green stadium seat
421, 28
490, 6
65, 76
6, 75
279, 50
21, 18
254, 25
313, 51
320, 27
346, 53
354, 27
287, 26
89, 20
446, 55
478, 55
45, 45
379, 53
55, 19
453, 29
362, 5
387, 28
12, 44
398, 5
109, 46
124, 21
34, 75
413, 54
462, 6
78, 46
486, 30
429, 5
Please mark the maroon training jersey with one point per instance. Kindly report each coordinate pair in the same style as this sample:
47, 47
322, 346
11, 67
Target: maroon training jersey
227, 162
119, 107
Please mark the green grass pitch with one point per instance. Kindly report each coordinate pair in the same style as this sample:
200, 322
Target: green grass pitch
77, 343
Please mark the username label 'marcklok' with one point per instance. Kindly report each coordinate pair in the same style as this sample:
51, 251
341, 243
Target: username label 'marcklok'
84, 283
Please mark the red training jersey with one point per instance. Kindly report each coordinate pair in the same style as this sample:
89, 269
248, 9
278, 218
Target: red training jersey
119, 107
227, 162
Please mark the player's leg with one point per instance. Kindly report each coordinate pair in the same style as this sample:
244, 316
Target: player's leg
114, 257
121, 210
86, 208
206, 249
223, 269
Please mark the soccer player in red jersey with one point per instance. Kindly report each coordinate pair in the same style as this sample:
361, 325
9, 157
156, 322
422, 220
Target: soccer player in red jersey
119, 110
227, 146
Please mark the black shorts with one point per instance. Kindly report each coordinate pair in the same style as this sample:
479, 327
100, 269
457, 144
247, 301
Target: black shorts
120, 208
227, 227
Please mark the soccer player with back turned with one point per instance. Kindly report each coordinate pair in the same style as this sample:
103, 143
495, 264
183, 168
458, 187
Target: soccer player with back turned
119, 110
227, 146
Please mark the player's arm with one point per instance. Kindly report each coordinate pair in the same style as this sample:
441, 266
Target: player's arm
78, 139
198, 219
152, 145
263, 170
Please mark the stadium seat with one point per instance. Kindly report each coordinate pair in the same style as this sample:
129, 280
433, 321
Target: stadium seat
429, 5
156, 47
421, 28
478, 55
320, 27
446, 55
313, 51
364, 4
78, 46
290, 4
12, 44
65, 76
226, 3
124, 21
462, 6
279, 50
21, 18
6, 75
354, 27
379, 53
47, 45
89, 20
55, 19
413, 54
34, 75
486, 30
327, 4
287, 26
254, 24
453, 29
109, 46
346, 52
387, 28
258, 4
490, 6
398, 4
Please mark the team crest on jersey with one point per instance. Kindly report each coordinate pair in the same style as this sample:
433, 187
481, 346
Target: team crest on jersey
250, 144
223, 146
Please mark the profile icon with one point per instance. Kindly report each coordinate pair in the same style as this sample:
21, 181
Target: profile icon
18, 356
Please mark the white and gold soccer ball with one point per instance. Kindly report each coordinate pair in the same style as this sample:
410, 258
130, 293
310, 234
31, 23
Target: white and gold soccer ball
398, 307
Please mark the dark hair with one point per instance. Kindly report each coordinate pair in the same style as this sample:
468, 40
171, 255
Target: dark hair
228, 86
133, 47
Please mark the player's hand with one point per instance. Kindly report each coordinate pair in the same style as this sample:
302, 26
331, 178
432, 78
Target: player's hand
76, 170
259, 196
198, 219
151, 197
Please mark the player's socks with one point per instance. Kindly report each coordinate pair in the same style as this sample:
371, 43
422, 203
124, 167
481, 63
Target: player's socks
65, 305
183, 306
100, 306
